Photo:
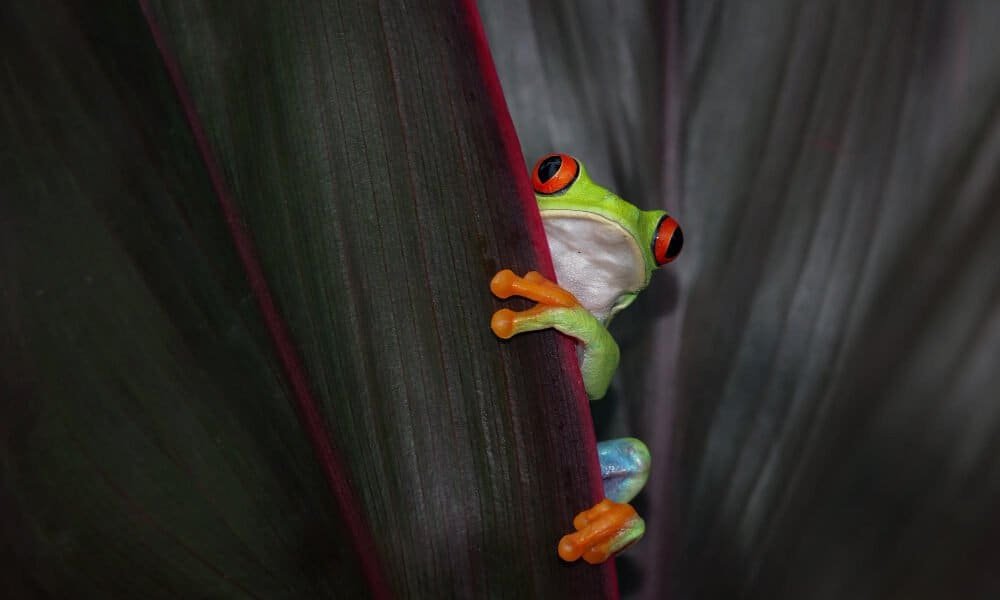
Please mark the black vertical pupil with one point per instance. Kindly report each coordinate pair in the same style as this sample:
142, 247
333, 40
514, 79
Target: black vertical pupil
676, 242
548, 168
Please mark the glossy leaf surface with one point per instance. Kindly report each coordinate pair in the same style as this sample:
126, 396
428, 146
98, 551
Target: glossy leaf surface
245, 260
818, 384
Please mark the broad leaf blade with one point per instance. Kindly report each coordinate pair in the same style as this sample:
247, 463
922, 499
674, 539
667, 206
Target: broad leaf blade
150, 446
360, 151
373, 106
852, 413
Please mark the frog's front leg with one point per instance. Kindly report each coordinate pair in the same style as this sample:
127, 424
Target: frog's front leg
611, 525
557, 309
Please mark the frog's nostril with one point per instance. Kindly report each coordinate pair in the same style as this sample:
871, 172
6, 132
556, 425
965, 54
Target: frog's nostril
549, 167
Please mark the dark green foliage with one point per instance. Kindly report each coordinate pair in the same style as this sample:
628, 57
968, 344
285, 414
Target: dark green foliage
151, 427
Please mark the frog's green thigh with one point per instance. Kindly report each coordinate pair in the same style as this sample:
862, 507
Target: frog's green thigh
600, 354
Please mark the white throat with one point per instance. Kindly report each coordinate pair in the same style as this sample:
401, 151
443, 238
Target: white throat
595, 259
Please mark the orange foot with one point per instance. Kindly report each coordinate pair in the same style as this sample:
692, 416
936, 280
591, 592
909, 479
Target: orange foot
602, 531
533, 286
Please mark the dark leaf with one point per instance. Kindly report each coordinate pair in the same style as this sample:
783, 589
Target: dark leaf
245, 257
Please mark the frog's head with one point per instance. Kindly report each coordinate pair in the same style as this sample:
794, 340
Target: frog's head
603, 247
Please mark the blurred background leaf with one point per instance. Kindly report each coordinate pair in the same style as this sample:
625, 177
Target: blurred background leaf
816, 376
245, 253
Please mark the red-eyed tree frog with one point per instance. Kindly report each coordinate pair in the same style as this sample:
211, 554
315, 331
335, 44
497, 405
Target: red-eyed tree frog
604, 251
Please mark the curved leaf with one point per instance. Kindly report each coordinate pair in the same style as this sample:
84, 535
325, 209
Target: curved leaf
239, 244
148, 430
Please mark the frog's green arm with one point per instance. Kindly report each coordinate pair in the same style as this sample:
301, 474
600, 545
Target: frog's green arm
600, 354
558, 309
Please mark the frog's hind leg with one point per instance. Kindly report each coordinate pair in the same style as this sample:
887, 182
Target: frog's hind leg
612, 525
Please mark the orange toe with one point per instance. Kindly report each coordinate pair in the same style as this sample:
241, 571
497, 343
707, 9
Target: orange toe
602, 531
535, 277
584, 518
533, 286
503, 322
503, 284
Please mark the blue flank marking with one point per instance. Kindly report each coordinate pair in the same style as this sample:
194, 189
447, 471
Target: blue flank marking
624, 467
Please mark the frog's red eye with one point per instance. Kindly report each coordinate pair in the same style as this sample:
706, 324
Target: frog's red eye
668, 241
554, 173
